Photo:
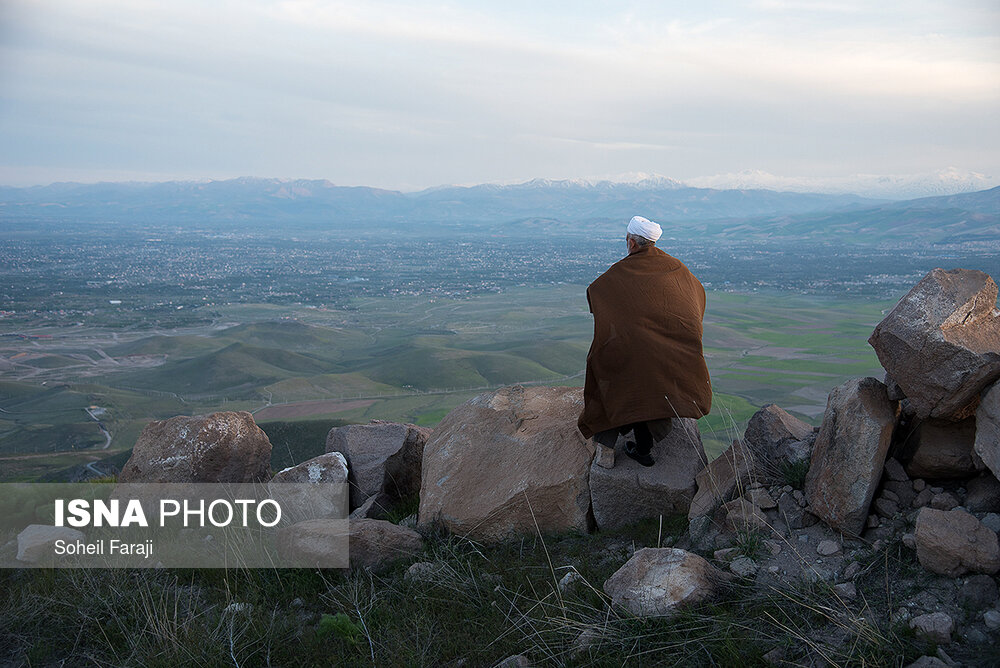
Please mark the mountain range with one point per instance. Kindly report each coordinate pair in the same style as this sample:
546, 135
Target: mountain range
257, 204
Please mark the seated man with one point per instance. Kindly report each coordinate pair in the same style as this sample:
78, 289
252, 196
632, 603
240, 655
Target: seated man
645, 365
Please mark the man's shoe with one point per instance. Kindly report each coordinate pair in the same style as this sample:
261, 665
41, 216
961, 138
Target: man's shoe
642, 457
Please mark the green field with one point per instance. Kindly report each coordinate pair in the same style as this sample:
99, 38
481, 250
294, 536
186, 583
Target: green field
407, 358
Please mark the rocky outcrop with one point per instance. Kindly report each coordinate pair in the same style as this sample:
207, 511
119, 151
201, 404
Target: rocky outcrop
221, 447
384, 459
987, 443
510, 461
943, 449
954, 542
941, 342
850, 452
629, 492
657, 582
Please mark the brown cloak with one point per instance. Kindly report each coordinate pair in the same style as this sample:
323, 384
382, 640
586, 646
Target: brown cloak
646, 361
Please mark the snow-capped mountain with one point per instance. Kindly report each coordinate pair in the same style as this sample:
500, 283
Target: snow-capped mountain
948, 181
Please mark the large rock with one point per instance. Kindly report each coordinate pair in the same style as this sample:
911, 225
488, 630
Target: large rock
987, 444
510, 461
377, 543
630, 492
941, 342
384, 458
776, 437
329, 468
954, 542
850, 452
36, 543
942, 449
221, 447
658, 581
721, 479
326, 543
313, 489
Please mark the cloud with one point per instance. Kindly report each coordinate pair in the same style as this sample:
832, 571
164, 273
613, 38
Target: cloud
385, 90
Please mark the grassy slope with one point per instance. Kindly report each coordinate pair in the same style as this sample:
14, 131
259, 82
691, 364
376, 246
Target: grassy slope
415, 359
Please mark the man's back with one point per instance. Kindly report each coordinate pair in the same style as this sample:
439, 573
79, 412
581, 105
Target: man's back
646, 361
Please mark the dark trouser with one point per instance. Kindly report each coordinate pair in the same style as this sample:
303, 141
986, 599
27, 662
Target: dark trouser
646, 433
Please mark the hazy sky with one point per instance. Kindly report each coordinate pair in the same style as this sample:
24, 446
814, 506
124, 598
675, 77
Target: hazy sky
411, 94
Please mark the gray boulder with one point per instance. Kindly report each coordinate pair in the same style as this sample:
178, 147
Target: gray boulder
509, 461
220, 447
316, 488
630, 492
775, 437
384, 459
850, 453
657, 582
329, 468
987, 443
941, 342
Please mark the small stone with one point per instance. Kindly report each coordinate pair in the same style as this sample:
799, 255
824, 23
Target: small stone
873, 522
894, 470
928, 662
516, 661
944, 501
588, 638
978, 592
991, 521
923, 498
852, 570
773, 570
568, 580
886, 508
910, 541
787, 489
726, 554
919, 485
827, 548
773, 546
760, 498
423, 571
799, 497
775, 657
878, 545
846, 591
936, 627
605, 457
936, 490
992, 619
744, 567
804, 538
890, 495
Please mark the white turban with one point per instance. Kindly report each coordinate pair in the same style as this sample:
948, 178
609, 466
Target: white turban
644, 228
